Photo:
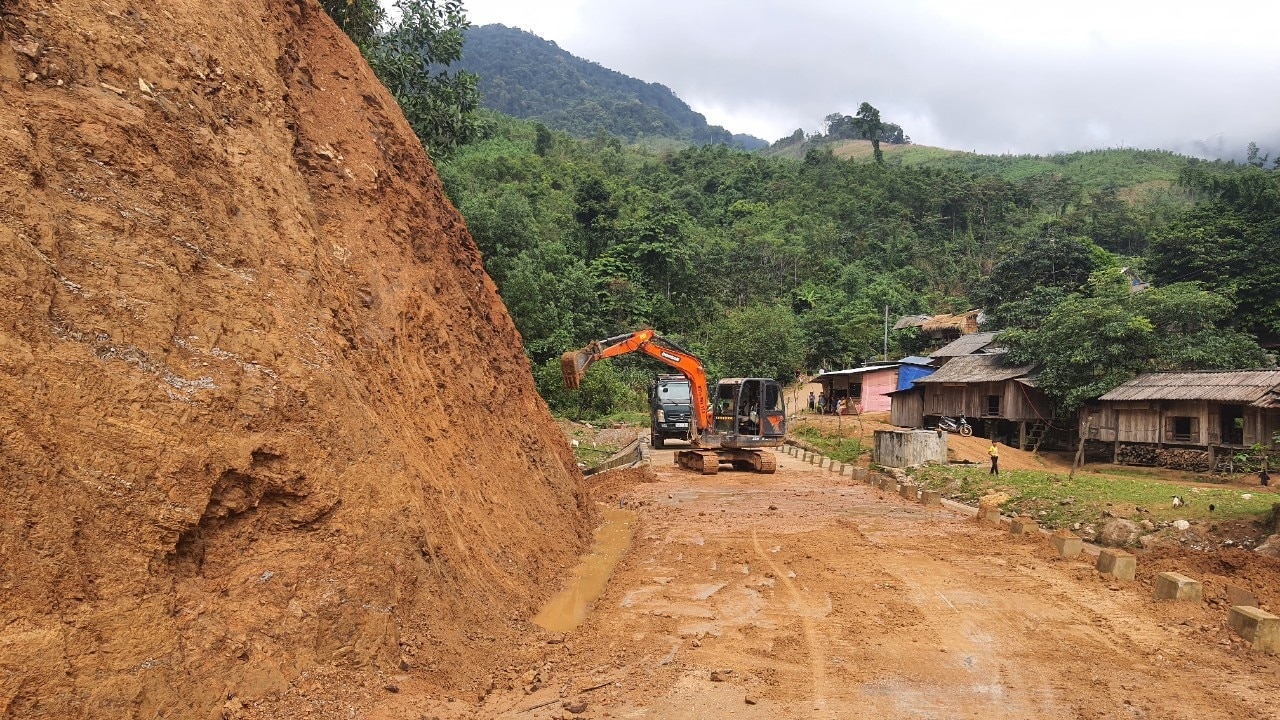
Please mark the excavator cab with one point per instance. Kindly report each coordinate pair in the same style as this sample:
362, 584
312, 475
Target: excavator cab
749, 412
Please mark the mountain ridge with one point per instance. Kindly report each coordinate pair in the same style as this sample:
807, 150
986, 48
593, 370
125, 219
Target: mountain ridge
529, 77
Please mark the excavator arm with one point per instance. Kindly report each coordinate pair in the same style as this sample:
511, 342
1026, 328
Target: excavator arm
573, 365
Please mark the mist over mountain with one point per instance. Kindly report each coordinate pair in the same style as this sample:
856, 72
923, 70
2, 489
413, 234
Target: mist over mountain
522, 75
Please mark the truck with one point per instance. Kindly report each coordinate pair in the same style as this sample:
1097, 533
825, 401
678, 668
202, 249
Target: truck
670, 410
733, 427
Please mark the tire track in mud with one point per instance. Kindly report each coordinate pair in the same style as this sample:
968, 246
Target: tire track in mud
817, 651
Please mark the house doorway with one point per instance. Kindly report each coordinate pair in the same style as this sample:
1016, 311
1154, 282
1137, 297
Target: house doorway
1231, 429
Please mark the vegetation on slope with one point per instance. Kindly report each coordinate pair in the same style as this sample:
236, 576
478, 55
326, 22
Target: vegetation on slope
527, 77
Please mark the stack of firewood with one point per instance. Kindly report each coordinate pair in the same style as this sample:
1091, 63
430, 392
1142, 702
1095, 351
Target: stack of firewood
1189, 460
1138, 454
1172, 458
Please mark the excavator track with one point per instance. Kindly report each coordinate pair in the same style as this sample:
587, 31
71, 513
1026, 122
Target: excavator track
768, 463
706, 462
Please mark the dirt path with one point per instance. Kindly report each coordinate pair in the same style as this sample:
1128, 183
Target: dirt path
799, 595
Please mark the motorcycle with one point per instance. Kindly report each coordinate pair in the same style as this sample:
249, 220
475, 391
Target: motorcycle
950, 424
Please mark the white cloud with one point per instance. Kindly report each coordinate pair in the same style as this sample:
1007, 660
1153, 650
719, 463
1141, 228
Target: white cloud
990, 75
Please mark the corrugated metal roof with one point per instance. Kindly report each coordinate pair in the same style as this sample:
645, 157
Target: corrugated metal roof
989, 367
1242, 386
965, 345
859, 370
915, 360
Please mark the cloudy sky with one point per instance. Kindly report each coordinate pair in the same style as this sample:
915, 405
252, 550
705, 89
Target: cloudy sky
988, 75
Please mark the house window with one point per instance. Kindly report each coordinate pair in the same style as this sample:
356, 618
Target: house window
993, 405
855, 391
1182, 429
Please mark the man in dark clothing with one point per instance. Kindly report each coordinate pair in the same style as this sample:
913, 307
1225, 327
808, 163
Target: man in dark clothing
1264, 478
811, 401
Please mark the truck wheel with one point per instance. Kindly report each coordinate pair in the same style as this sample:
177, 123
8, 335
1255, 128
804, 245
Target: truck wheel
658, 441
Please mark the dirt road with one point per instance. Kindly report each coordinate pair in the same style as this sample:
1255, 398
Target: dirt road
814, 598
802, 595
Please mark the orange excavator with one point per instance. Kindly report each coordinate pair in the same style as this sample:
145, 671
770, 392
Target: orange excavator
730, 427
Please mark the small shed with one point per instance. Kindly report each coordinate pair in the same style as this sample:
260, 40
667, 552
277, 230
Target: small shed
904, 448
952, 326
1213, 413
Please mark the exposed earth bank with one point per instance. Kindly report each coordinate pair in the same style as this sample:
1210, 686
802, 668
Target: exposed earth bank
264, 411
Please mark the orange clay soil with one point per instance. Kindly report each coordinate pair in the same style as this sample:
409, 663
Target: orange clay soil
242, 334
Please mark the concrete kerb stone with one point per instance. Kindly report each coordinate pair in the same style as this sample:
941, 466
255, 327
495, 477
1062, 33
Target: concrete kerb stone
1257, 626
989, 515
1024, 526
908, 491
931, 497
1239, 596
889, 484
1176, 586
1067, 544
1117, 564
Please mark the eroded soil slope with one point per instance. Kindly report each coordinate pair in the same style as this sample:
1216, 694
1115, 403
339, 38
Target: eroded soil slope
263, 409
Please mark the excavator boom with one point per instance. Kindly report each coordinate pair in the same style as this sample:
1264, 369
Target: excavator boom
573, 365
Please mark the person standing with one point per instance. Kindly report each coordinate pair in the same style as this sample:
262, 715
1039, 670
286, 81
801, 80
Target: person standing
994, 452
1264, 478
822, 403
811, 400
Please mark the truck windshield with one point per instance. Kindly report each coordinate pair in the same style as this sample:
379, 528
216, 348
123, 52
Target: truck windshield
674, 392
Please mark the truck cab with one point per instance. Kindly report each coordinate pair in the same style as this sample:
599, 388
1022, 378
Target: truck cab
670, 409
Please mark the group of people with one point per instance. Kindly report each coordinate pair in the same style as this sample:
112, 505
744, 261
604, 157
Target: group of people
823, 404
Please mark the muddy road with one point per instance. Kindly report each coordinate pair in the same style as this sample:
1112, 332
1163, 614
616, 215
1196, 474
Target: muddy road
803, 595
816, 598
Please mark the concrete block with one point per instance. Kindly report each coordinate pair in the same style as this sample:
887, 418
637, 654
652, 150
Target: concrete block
908, 491
1118, 564
1240, 596
989, 515
840, 471
861, 474
930, 497
888, 483
1257, 626
1067, 545
1023, 526
1176, 586
813, 458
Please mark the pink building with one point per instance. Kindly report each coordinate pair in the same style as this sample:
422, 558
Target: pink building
866, 389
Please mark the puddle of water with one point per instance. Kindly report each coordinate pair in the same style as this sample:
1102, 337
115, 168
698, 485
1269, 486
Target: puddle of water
568, 608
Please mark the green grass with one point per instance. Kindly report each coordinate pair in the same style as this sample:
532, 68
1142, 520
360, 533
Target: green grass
1085, 498
841, 449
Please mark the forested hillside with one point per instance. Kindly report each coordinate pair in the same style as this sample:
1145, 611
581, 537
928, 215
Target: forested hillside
524, 76
769, 265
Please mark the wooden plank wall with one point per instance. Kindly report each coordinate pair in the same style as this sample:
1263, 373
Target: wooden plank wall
1148, 422
1016, 404
908, 410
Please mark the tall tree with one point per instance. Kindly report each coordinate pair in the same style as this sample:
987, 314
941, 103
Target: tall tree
1229, 244
868, 120
411, 57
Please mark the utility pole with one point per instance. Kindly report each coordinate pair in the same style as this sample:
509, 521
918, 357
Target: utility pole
886, 333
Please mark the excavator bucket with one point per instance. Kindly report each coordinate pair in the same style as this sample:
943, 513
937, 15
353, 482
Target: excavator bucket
573, 365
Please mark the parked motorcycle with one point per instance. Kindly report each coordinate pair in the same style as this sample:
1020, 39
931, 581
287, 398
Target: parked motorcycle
950, 424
